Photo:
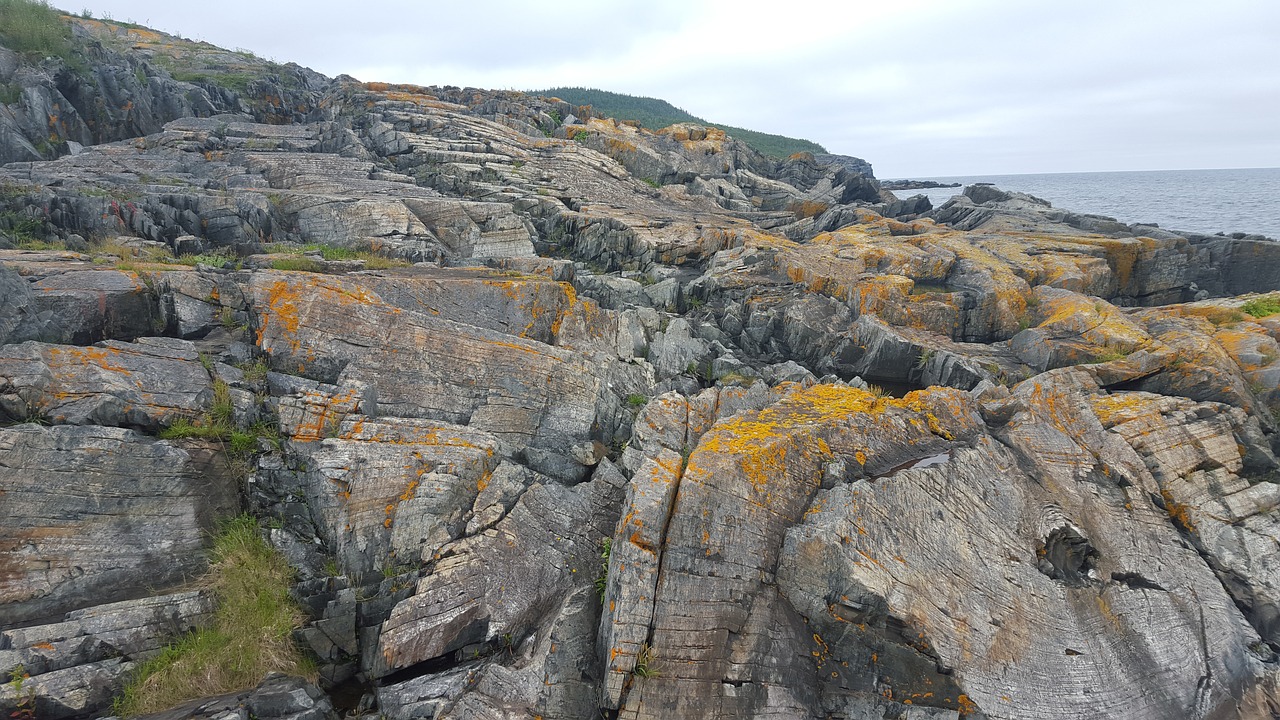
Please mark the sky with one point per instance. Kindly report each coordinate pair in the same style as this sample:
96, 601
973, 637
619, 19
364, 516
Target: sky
920, 88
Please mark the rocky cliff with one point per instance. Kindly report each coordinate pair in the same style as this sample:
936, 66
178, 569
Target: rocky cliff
559, 417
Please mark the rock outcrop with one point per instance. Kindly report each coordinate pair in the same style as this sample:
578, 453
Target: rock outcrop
558, 417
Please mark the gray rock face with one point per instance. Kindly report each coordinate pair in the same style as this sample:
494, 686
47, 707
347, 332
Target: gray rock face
507, 580
100, 513
334, 329
278, 697
144, 385
132, 629
73, 303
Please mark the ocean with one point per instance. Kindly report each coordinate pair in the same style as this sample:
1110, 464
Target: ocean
1206, 201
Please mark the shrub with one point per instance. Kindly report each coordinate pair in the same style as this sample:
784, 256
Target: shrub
1263, 306
251, 634
636, 400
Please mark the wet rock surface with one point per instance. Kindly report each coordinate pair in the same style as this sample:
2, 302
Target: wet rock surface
559, 417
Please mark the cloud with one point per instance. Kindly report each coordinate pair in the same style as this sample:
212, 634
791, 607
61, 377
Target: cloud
918, 87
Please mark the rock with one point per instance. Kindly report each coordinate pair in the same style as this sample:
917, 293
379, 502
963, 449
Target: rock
277, 696
132, 629
745, 464
143, 385
534, 557
71, 305
528, 329
1202, 458
392, 491
675, 350
70, 693
63, 550
334, 330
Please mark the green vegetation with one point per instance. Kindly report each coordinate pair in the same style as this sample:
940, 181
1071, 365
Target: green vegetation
251, 634
255, 372
22, 229
1263, 306
219, 424
602, 580
34, 29
24, 697
372, 260
646, 663
303, 264
636, 400
10, 93
216, 424
1110, 352
237, 82
655, 114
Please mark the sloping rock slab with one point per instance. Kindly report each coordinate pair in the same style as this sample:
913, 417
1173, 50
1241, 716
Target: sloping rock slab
97, 514
143, 385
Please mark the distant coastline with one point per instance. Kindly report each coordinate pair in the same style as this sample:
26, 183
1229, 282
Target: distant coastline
916, 184
1206, 201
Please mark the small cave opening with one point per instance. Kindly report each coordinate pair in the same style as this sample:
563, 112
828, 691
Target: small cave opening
1066, 555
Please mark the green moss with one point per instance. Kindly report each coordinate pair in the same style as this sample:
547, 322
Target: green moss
10, 93
251, 634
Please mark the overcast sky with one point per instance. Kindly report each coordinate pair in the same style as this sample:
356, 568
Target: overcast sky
917, 87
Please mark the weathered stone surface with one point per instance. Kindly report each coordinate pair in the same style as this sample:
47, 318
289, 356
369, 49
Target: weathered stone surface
508, 579
143, 385
132, 629
1206, 460
700, 370
63, 299
279, 697
1104, 587
310, 410
69, 693
392, 491
97, 514
76, 666
523, 391
749, 478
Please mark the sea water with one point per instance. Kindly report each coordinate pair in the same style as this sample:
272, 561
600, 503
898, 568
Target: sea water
1206, 201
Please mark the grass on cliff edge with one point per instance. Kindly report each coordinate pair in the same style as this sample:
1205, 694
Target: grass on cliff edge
251, 634
34, 28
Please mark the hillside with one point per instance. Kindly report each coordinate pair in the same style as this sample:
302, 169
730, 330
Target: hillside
322, 399
654, 114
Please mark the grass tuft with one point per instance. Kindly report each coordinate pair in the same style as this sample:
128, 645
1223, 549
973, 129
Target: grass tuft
302, 264
34, 28
251, 634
